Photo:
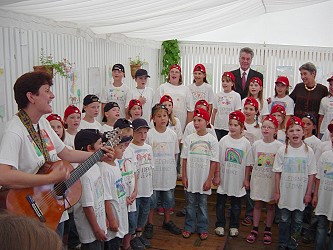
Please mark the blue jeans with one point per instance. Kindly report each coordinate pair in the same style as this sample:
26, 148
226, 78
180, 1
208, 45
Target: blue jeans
196, 213
290, 227
321, 234
113, 244
235, 210
166, 199
142, 211
132, 221
249, 205
95, 245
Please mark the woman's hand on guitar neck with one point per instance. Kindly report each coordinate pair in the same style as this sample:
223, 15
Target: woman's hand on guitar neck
108, 153
59, 173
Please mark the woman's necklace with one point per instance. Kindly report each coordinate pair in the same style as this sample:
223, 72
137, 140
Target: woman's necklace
310, 89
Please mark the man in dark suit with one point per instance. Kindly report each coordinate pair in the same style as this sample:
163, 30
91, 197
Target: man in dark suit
244, 74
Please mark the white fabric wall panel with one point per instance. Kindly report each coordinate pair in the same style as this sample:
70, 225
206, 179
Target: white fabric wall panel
267, 58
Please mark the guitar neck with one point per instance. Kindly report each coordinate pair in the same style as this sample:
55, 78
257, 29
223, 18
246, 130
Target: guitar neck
85, 166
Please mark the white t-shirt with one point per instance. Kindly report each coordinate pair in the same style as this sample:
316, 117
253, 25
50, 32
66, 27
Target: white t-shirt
235, 155
92, 196
128, 169
190, 129
252, 133
325, 174
177, 128
69, 140
326, 136
144, 169
295, 167
263, 178
315, 143
281, 136
147, 93
182, 100
116, 94
286, 102
114, 191
20, 151
225, 103
90, 125
202, 92
262, 110
106, 128
325, 146
326, 109
199, 151
165, 147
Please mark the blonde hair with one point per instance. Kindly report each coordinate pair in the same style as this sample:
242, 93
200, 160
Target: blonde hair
260, 97
24, 233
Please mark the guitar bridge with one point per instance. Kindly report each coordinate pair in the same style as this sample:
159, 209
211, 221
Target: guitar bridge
35, 208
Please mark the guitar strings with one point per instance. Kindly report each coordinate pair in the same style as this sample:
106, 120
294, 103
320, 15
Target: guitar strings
48, 198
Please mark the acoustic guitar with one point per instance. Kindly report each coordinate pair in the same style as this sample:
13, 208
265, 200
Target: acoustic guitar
48, 202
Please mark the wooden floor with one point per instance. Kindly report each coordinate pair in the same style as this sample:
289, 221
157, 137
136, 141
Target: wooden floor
162, 239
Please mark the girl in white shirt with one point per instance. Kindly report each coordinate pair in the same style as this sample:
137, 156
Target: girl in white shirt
279, 112
326, 109
72, 119
225, 102
252, 126
262, 179
294, 167
134, 109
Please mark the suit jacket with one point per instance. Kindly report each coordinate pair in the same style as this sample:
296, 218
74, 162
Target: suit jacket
238, 82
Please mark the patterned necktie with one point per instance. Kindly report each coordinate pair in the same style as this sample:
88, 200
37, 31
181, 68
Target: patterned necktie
243, 80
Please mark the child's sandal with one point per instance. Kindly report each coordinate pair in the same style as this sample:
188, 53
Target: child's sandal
251, 238
186, 234
203, 236
267, 237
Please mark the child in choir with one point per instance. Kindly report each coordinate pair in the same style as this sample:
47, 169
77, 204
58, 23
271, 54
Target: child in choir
190, 126
200, 156
145, 165
322, 198
326, 109
89, 212
72, 119
262, 182
279, 112
200, 88
251, 112
256, 91
116, 91
310, 132
294, 167
127, 166
225, 102
182, 97
111, 115
115, 197
91, 106
134, 109
282, 97
58, 126
142, 93
235, 156
175, 125
174, 122
164, 143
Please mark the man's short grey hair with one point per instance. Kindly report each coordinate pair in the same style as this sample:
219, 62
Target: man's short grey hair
309, 67
246, 50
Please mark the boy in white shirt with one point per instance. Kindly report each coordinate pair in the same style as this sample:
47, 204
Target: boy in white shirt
116, 91
91, 106
89, 212
111, 115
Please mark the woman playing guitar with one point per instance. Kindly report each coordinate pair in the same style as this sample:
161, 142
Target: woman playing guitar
29, 140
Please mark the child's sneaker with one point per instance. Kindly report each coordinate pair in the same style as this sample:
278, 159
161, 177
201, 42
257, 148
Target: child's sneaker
171, 227
136, 244
160, 211
148, 233
233, 232
172, 210
247, 221
219, 231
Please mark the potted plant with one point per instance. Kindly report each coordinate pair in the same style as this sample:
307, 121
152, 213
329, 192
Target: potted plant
171, 56
136, 64
63, 68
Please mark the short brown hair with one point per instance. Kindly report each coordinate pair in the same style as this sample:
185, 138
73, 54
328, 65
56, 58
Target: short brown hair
29, 82
309, 67
20, 232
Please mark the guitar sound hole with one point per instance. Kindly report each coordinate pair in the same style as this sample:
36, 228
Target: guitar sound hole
60, 190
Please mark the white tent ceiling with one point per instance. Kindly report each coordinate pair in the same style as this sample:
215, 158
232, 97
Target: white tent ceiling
270, 21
